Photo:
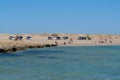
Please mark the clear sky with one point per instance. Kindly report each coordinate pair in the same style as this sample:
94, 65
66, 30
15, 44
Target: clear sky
60, 16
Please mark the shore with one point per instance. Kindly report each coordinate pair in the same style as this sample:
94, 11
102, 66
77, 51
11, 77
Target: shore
27, 41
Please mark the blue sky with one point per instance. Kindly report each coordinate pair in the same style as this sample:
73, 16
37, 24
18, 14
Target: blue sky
60, 16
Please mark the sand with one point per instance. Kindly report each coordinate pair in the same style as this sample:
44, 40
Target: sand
40, 40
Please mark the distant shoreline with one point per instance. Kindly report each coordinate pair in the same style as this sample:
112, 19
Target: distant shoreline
16, 42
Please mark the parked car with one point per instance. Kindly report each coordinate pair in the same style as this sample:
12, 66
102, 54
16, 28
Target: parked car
50, 38
11, 38
82, 38
58, 38
65, 38
28, 38
20, 37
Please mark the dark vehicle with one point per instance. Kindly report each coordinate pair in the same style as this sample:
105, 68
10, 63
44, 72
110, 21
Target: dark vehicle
11, 38
28, 37
58, 38
20, 37
65, 38
82, 38
50, 38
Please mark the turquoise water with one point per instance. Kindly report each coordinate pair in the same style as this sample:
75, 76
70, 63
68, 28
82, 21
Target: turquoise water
62, 63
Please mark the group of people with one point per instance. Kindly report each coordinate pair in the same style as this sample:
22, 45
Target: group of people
69, 42
105, 41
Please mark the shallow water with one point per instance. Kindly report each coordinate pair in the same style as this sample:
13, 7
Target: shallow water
62, 63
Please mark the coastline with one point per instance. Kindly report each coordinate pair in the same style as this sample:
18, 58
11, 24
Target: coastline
47, 40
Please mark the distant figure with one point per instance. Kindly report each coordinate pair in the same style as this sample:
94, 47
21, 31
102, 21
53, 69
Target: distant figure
70, 40
110, 41
105, 39
64, 43
56, 43
16, 38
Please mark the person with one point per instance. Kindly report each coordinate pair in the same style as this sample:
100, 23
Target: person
16, 38
70, 40
56, 43
64, 43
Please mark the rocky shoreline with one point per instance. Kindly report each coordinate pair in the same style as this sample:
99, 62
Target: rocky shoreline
18, 46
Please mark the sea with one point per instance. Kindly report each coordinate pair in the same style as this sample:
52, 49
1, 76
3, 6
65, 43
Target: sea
62, 63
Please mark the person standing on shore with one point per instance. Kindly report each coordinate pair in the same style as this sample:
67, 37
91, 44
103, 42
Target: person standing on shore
56, 43
70, 40
16, 38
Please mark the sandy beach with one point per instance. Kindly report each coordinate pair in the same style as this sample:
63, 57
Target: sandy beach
42, 40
